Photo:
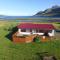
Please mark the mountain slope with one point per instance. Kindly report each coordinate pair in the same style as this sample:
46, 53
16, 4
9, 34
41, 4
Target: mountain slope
54, 11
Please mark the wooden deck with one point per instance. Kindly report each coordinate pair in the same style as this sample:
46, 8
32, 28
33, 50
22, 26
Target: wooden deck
19, 39
27, 39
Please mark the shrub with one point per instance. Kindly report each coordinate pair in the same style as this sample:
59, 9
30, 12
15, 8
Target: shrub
36, 39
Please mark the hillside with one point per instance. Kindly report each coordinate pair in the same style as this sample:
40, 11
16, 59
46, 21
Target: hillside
53, 11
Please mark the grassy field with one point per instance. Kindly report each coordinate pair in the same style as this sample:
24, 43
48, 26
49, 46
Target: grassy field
12, 51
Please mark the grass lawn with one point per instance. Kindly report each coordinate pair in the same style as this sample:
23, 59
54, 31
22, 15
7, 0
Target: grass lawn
12, 51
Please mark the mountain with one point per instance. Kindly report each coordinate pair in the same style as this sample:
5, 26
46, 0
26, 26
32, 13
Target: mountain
53, 11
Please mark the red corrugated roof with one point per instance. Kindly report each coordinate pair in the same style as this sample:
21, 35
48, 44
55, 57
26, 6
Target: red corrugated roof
35, 26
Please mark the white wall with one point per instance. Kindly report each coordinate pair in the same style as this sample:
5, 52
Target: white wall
52, 33
39, 33
19, 30
28, 32
23, 33
34, 32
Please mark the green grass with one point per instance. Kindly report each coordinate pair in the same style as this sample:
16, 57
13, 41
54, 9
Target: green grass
12, 51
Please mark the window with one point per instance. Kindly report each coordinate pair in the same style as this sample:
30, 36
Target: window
23, 30
41, 31
50, 31
37, 30
30, 30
